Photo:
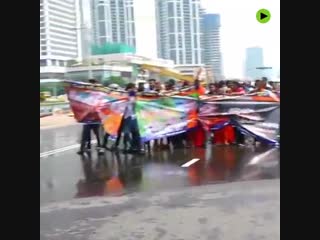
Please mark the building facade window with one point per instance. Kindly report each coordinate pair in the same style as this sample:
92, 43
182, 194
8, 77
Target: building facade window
101, 14
102, 29
171, 25
170, 9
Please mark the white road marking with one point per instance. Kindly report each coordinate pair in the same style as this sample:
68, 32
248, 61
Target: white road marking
63, 149
188, 164
260, 157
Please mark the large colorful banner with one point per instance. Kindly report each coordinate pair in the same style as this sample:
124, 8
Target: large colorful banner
165, 116
161, 116
259, 119
111, 115
96, 104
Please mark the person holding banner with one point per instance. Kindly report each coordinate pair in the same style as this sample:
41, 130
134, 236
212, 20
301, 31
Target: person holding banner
90, 125
130, 123
152, 85
223, 88
213, 90
236, 88
198, 135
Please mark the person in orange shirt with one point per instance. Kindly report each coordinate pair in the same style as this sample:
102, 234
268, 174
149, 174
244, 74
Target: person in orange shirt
199, 88
198, 135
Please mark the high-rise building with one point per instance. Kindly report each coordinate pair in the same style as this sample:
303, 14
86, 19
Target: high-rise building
211, 44
254, 60
59, 36
178, 30
113, 22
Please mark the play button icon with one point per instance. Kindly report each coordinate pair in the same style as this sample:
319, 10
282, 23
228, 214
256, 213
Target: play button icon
263, 16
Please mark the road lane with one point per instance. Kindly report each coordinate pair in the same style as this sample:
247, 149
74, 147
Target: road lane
55, 138
66, 175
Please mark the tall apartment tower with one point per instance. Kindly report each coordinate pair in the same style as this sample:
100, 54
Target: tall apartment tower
60, 39
254, 59
113, 22
211, 44
179, 31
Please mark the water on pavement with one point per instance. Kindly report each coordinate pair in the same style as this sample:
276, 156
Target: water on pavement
65, 176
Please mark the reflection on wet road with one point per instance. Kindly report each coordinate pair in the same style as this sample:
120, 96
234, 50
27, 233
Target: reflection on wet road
66, 175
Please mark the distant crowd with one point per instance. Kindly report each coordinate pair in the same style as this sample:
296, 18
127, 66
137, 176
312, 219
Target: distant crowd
229, 87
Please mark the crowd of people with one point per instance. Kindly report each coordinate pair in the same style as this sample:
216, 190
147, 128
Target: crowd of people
229, 87
197, 137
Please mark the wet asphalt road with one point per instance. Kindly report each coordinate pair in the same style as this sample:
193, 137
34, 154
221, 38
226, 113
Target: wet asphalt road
77, 193
66, 175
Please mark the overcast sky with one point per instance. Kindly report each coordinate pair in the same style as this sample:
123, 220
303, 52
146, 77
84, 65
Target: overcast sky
239, 30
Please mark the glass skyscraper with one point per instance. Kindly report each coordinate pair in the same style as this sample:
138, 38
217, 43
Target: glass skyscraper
211, 44
59, 39
179, 30
113, 22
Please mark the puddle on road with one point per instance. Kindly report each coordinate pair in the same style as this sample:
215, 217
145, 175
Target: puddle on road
72, 176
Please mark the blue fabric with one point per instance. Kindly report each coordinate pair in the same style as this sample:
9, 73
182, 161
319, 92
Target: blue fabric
132, 94
130, 125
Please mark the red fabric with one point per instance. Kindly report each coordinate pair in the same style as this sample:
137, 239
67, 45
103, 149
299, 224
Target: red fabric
197, 136
224, 135
239, 90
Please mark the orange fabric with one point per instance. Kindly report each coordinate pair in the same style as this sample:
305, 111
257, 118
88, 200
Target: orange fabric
264, 99
112, 123
114, 186
192, 117
201, 91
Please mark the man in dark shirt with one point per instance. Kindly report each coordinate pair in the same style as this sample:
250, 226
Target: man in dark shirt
90, 125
